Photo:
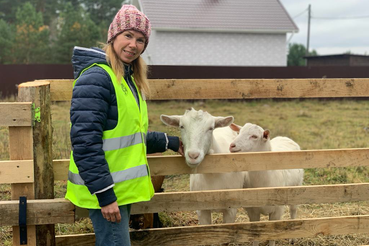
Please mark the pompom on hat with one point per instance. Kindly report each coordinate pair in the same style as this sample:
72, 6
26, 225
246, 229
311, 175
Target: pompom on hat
129, 18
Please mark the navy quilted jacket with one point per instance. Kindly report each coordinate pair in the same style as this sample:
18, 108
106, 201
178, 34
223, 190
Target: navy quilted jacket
94, 110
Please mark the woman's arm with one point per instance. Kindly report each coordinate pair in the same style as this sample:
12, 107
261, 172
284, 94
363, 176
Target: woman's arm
158, 142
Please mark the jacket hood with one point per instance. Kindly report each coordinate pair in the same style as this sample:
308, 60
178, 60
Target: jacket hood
84, 57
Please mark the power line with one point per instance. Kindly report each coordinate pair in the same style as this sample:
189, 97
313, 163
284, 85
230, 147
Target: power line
331, 18
300, 14
341, 18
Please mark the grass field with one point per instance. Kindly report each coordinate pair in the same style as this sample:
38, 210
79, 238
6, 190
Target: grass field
314, 124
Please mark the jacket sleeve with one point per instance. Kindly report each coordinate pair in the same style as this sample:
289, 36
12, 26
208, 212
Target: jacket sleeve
88, 115
160, 142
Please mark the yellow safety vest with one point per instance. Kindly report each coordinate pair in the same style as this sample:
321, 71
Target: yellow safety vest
125, 152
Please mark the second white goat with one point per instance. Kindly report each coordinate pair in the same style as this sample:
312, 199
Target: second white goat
253, 138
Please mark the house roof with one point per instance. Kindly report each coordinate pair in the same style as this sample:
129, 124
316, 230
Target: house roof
266, 16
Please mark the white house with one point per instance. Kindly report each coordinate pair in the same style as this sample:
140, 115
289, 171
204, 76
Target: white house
217, 32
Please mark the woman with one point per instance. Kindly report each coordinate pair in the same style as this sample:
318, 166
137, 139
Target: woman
108, 169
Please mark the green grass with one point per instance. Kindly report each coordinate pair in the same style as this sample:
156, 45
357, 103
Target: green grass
314, 124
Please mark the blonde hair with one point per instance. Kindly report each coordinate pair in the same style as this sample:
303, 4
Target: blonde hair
139, 69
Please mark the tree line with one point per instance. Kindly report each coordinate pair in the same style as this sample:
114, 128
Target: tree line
296, 54
45, 32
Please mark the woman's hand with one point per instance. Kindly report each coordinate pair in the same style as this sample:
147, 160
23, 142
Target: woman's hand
111, 212
180, 149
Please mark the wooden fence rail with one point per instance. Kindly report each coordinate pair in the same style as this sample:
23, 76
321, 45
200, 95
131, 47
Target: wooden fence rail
194, 200
174, 89
41, 212
32, 172
172, 165
237, 232
245, 232
17, 114
16, 172
256, 161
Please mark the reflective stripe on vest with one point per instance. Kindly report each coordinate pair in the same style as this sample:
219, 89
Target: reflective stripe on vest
123, 142
131, 173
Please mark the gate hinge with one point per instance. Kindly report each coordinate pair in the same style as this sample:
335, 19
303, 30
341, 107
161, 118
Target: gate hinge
23, 220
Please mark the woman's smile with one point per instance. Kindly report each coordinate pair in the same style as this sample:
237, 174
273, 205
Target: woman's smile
129, 53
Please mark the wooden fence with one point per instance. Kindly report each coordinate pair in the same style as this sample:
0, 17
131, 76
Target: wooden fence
32, 172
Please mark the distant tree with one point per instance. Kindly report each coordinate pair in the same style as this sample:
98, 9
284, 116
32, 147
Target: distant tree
6, 42
28, 31
49, 9
296, 55
76, 29
8, 9
31, 44
313, 53
75, 3
102, 10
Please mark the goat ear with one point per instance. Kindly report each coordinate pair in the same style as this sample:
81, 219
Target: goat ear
223, 121
235, 127
172, 120
189, 109
266, 134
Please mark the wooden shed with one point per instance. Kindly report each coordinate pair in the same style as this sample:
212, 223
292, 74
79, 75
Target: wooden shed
338, 60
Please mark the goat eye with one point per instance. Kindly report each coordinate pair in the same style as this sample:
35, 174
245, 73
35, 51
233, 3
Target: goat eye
254, 137
182, 127
211, 128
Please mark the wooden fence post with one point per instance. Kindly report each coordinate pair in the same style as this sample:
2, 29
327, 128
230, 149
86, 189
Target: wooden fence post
37, 146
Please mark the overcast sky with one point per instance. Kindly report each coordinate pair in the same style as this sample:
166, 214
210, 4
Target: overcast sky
336, 26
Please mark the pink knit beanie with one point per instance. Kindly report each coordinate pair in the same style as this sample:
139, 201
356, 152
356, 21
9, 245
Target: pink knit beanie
129, 18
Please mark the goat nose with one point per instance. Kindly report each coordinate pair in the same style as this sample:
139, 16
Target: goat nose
232, 146
193, 155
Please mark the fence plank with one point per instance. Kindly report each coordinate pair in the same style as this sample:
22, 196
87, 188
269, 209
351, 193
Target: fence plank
236, 232
169, 165
38, 92
220, 199
61, 89
236, 162
40, 212
20, 148
172, 89
12, 172
62, 211
325, 158
246, 232
16, 114
86, 239
61, 168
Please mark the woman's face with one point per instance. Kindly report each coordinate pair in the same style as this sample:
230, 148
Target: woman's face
129, 45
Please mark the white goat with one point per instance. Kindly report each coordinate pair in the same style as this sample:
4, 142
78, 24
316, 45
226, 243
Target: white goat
203, 134
253, 138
